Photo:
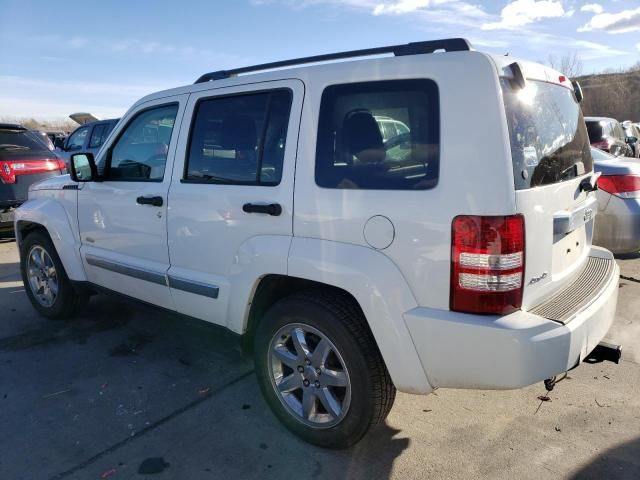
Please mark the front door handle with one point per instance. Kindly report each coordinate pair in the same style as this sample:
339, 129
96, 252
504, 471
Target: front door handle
273, 209
155, 201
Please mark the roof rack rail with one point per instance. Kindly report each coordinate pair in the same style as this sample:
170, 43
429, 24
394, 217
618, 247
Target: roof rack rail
414, 48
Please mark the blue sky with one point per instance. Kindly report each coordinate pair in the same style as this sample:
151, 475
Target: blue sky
101, 56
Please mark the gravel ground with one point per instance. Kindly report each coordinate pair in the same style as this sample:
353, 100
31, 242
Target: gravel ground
125, 389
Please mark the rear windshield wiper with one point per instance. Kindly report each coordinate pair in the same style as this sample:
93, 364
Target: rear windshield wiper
10, 146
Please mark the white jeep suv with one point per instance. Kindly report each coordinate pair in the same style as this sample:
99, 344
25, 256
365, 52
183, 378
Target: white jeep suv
268, 200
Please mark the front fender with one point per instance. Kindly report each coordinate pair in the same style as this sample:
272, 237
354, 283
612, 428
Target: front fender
62, 227
380, 289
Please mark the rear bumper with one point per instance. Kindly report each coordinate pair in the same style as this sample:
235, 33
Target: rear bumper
489, 352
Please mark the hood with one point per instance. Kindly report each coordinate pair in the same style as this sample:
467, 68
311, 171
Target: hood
53, 183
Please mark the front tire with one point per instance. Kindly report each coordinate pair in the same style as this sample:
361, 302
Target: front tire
45, 280
320, 370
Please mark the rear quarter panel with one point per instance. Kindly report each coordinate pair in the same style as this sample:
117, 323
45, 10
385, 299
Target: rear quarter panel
475, 169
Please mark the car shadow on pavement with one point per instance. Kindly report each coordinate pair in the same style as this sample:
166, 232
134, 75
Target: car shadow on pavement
618, 463
7, 237
627, 256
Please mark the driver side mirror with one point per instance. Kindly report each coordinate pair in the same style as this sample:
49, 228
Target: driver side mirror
83, 167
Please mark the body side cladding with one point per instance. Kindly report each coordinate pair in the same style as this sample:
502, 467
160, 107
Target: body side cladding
57, 221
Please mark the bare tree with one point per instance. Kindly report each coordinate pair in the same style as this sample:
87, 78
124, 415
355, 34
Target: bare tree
570, 64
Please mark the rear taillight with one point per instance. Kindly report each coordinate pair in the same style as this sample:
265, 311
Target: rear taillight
9, 169
603, 144
624, 186
487, 264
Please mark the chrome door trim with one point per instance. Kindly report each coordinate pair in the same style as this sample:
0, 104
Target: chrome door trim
135, 272
191, 286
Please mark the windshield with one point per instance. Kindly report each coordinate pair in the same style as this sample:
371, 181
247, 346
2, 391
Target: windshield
549, 141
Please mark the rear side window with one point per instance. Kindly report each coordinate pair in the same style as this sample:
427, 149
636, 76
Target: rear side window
379, 136
239, 139
547, 132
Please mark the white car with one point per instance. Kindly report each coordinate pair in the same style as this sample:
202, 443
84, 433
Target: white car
267, 202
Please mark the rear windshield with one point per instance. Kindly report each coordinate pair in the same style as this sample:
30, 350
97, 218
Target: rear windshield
549, 140
19, 141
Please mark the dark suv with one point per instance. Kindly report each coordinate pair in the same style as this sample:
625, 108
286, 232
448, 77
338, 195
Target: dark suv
607, 134
24, 160
87, 138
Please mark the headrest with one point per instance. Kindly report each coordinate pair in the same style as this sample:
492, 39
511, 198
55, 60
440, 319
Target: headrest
360, 131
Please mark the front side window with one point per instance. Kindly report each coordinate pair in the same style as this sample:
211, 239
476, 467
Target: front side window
379, 136
239, 139
77, 138
140, 153
547, 132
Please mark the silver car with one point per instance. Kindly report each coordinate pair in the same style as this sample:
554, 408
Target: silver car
617, 226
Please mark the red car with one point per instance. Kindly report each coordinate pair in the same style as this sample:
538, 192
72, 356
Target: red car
24, 160
607, 134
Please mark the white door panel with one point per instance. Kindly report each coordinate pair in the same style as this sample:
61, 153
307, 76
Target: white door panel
124, 242
208, 229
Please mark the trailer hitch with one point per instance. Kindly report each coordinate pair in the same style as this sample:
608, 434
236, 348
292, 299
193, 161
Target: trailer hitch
605, 352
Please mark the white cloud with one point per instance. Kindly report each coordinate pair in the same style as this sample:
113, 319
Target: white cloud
638, 46
592, 7
401, 6
457, 12
586, 50
621, 22
523, 12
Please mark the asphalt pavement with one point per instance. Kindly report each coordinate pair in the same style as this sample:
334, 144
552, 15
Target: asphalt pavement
125, 392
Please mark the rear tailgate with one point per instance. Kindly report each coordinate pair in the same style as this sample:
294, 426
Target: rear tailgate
553, 176
559, 227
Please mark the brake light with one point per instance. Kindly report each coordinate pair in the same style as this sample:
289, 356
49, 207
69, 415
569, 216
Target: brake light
9, 169
624, 186
487, 263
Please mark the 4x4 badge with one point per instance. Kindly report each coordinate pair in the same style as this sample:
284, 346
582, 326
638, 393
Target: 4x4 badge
535, 280
588, 214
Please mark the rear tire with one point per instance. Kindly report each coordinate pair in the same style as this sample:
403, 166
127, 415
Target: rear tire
353, 391
49, 289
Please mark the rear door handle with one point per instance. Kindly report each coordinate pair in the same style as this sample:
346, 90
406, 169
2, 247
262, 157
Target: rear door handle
273, 209
155, 201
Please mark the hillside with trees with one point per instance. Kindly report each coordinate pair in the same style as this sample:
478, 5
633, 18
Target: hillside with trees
615, 95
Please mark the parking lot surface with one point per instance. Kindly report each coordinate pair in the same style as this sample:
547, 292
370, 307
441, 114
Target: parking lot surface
127, 392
